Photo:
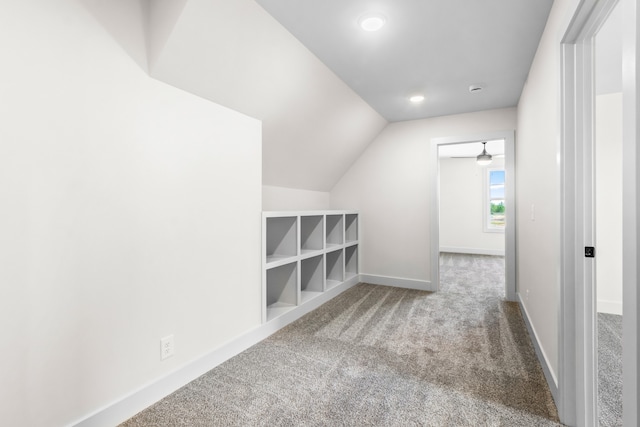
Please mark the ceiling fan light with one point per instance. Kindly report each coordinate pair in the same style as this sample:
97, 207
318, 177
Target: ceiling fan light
484, 158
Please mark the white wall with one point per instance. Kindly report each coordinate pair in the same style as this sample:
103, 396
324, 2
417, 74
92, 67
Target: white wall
287, 199
608, 149
538, 185
389, 184
130, 211
236, 54
462, 204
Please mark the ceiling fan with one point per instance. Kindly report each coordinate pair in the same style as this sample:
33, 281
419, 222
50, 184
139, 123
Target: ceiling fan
484, 158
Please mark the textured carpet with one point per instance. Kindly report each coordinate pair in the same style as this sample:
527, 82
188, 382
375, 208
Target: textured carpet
609, 370
382, 356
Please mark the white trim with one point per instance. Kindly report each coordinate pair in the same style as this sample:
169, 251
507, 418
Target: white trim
434, 229
486, 203
549, 375
567, 374
270, 214
134, 402
510, 202
631, 200
610, 307
421, 285
577, 338
476, 251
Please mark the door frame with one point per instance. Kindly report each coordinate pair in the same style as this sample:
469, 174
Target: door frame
577, 338
510, 186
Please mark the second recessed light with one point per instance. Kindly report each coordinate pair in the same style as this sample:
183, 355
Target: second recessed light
372, 21
416, 98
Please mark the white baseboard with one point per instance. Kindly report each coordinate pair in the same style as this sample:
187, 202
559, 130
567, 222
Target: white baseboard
422, 285
126, 407
611, 307
552, 381
474, 251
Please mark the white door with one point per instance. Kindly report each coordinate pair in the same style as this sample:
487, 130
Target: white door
608, 219
578, 374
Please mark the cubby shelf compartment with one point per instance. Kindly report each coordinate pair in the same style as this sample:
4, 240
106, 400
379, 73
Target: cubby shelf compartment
350, 262
282, 289
311, 278
311, 234
282, 240
335, 230
334, 268
306, 258
351, 227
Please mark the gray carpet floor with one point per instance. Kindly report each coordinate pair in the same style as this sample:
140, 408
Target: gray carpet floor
382, 356
609, 370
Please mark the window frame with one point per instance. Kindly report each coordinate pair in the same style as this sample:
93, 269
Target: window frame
486, 204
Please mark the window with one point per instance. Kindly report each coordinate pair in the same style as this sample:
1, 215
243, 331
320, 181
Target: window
494, 208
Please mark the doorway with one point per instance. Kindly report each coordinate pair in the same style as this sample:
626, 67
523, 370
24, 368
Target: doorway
507, 164
578, 333
472, 218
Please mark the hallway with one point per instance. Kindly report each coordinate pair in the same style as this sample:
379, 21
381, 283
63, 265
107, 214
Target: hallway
379, 355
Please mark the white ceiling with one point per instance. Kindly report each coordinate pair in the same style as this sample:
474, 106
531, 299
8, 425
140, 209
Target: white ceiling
435, 47
322, 87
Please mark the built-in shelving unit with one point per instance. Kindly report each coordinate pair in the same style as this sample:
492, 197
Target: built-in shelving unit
306, 256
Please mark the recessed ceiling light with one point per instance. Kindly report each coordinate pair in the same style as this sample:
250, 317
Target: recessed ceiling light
416, 98
372, 21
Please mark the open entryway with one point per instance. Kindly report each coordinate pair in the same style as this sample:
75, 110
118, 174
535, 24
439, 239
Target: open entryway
472, 217
473, 210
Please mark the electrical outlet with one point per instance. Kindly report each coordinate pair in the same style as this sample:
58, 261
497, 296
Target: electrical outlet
166, 347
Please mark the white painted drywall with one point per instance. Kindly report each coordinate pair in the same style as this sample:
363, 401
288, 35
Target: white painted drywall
462, 202
236, 54
390, 186
538, 186
293, 199
608, 149
130, 211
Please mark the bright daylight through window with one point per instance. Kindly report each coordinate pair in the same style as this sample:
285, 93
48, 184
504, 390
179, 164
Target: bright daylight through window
494, 208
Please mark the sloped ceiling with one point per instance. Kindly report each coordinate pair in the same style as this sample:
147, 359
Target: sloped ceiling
234, 53
437, 48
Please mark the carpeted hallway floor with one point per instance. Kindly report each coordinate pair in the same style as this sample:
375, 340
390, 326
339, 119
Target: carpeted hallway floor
382, 356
